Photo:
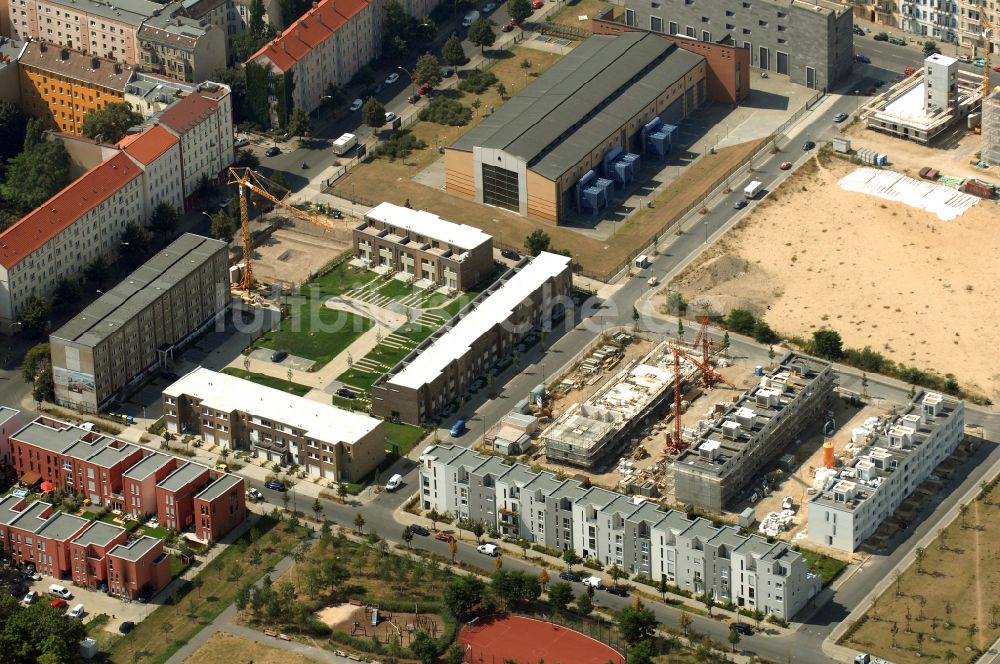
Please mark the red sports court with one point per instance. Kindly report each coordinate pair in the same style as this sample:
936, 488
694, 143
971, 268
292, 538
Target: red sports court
526, 641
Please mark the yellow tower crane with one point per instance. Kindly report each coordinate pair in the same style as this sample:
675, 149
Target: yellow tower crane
986, 27
251, 182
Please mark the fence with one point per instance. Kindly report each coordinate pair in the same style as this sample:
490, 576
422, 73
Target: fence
559, 30
720, 183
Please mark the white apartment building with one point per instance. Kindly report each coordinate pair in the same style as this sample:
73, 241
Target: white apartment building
895, 457
615, 529
158, 153
970, 32
935, 19
66, 233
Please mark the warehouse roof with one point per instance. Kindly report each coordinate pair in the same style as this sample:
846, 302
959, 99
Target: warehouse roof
573, 107
159, 274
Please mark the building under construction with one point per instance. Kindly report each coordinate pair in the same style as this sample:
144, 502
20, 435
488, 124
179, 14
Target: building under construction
736, 443
592, 434
991, 129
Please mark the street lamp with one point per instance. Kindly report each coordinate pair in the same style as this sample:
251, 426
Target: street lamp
413, 85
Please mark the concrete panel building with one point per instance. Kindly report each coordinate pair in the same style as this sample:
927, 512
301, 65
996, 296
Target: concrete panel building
736, 448
812, 42
135, 327
614, 529
893, 458
229, 411
991, 129
424, 246
530, 155
445, 365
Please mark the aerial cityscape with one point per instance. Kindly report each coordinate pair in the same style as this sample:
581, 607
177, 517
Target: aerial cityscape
480, 332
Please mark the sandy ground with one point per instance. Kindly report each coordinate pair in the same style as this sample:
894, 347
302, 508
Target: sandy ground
342, 619
299, 249
222, 647
883, 274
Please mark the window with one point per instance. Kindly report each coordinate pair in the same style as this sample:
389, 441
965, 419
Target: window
500, 187
656, 24
706, 36
673, 28
630, 18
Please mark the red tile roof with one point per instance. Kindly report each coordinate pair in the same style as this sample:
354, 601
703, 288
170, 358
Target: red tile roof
150, 144
308, 32
62, 210
184, 115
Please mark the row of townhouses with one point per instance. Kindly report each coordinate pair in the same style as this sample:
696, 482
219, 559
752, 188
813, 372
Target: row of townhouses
614, 529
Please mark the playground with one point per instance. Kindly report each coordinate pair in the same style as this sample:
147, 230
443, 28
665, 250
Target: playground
497, 639
367, 621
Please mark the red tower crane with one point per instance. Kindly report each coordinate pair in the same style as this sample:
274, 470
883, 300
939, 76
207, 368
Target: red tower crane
709, 376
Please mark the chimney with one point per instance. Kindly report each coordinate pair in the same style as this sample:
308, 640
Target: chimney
118, 68
64, 54
95, 62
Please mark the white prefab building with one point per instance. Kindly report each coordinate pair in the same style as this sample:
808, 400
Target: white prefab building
895, 457
615, 529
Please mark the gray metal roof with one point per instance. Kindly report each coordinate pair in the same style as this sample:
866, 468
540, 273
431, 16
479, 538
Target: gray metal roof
128, 298
61, 526
99, 533
219, 487
581, 100
135, 549
147, 466
182, 476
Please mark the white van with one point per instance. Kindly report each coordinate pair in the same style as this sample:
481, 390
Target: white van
470, 18
394, 482
77, 612
59, 591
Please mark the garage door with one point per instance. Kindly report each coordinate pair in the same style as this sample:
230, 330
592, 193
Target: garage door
313, 469
209, 437
329, 474
673, 113
782, 63
262, 454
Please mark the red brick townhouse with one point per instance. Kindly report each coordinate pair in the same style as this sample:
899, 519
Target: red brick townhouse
220, 507
175, 495
140, 567
89, 554
139, 483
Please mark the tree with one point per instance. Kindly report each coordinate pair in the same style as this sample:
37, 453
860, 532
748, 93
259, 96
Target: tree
685, 621
920, 554
164, 218
512, 589
434, 516
427, 70
38, 173
615, 572
223, 226
709, 603
317, 508
455, 654
930, 48
299, 123
827, 343
44, 386
452, 548
741, 321
637, 623
359, 522
734, 638
963, 515
463, 594
560, 595
518, 10
35, 361
454, 54
757, 615
13, 125
763, 333
481, 34
277, 184
584, 604
38, 633
537, 242
501, 90
138, 239
342, 491
34, 315
237, 81
477, 528
407, 536
373, 113
543, 578
424, 647
246, 159
570, 558
111, 122
642, 653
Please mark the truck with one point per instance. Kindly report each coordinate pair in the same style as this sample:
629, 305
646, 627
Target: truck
344, 144
865, 658
470, 18
752, 189
594, 582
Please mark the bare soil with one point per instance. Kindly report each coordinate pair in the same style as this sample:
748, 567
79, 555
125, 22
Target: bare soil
299, 249
222, 647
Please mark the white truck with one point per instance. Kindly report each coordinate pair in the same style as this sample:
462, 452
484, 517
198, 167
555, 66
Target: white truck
594, 582
344, 144
865, 658
752, 189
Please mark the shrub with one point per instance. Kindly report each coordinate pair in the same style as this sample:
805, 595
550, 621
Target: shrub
763, 333
741, 321
446, 111
399, 145
477, 81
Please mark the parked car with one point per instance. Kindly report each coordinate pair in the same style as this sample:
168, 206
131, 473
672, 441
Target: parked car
740, 204
170, 375
279, 355
241, 141
272, 151
413, 99
379, 87
31, 597
419, 530
394, 482
508, 26
391, 78
840, 117
979, 62
882, 36
77, 612
808, 145
594, 582
254, 494
510, 254
448, 73
785, 165
126, 627
346, 393
390, 116
858, 30
537, 4
742, 628
58, 604
425, 88
861, 57
488, 549
457, 429
32, 574
787, 503
621, 591
274, 485
62, 592
356, 105
573, 577
909, 71
996, 67
489, 7
443, 537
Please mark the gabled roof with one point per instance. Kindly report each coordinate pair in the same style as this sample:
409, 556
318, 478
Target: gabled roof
148, 146
62, 210
187, 113
315, 27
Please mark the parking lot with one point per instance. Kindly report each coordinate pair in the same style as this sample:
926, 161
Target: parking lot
95, 603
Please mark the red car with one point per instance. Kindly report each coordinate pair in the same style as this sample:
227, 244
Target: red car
59, 604
537, 4
508, 26
425, 88
785, 165
444, 537
909, 71
996, 67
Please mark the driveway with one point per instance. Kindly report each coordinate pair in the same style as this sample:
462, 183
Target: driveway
96, 603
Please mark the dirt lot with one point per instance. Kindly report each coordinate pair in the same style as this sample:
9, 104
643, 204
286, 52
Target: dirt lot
299, 249
570, 14
883, 274
948, 604
355, 620
222, 647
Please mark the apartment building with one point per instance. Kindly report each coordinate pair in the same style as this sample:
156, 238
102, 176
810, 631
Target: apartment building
135, 327
445, 365
232, 17
158, 153
10, 54
88, 553
735, 448
139, 483
281, 428
220, 507
61, 85
423, 246
203, 122
935, 19
150, 93
138, 569
172, 44
326, 46
811, 42
614, 529
66, 233
893, 458
175, 495
10, 421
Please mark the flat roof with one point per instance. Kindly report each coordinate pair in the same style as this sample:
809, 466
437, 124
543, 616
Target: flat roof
29, 519
148, 465
490, 312
115, 308
49, 438
132, 12
110, 455
571, 109
135, 549
99, 534
429, 225
219, 487
7, 512
7, 414
61, 526
183, 476
227, 393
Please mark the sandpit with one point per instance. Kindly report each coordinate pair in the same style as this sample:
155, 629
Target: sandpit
921, 291
335, 615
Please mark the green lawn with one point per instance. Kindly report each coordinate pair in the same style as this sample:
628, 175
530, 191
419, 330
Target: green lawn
405, 435
828, 568
358, 379
396, 289
176, 566
157, 532
270, 381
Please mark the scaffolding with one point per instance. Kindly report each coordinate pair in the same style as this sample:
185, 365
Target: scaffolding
991, 129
